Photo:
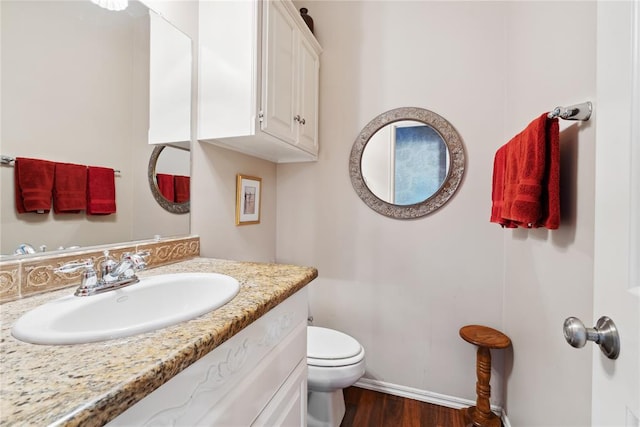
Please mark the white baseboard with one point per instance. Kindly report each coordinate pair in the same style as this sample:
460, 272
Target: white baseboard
425, 396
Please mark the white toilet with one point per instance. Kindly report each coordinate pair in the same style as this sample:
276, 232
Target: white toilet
335, 361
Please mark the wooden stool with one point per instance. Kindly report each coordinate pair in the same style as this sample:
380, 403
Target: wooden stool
485, 338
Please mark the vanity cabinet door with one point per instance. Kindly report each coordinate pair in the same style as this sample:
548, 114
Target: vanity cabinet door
288, 408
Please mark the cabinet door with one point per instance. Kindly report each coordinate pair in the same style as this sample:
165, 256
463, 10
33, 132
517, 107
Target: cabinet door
288, 408
308, 78
279, 73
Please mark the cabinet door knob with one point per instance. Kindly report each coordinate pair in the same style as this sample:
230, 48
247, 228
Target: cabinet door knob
302, 121
605, 334
296, 118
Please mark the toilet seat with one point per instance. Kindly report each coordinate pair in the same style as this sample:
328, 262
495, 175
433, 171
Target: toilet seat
330, 348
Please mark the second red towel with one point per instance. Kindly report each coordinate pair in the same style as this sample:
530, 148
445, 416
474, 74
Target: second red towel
182, 186
70, 188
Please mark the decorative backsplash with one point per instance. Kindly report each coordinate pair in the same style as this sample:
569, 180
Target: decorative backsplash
35, 275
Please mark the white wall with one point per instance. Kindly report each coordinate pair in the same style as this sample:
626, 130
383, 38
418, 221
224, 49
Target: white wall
214, 202
549, 274
404, 288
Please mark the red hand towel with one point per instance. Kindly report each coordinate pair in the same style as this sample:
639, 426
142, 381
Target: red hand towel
551, 183
70, 188
165, 185
182, 185
531, 185
511, 177
530, 155
33, 185
497, 192
101, 191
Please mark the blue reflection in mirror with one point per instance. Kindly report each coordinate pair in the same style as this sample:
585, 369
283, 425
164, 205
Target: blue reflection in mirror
420, 163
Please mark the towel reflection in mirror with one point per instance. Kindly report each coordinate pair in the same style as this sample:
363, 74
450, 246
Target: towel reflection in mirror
169, 177
71, 187
172, 174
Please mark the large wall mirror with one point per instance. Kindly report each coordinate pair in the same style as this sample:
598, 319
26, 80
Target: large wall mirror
76, 88
407, 163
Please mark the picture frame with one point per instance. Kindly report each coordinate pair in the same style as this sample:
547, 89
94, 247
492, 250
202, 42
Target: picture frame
248, 199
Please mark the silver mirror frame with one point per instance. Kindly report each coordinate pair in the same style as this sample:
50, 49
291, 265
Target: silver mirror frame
173, 207
447, 189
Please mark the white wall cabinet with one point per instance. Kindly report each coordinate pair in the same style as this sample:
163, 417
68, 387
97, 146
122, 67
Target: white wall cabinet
256, 378
258, 80
170, 66
290, 76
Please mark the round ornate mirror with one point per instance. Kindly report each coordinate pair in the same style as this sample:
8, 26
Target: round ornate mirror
169, 180
407, 162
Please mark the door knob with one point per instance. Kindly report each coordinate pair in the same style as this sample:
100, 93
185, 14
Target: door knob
604, 334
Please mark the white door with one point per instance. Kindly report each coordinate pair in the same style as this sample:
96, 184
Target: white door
616, 383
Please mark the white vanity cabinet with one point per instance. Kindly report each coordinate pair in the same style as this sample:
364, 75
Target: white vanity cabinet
256, 378
258, 80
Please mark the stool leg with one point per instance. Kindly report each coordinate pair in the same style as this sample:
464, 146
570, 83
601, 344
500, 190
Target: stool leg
481, 415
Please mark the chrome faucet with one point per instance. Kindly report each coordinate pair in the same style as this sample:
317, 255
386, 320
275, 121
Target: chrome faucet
27, 249
115, 276
24, 249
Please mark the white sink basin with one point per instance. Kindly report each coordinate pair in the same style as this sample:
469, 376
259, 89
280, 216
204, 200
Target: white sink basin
153, 303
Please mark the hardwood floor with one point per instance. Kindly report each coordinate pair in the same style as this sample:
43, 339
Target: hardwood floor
367, 408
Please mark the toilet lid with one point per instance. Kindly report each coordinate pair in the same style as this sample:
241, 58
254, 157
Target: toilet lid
329, 344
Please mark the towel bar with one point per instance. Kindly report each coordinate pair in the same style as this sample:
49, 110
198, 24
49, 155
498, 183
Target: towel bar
574, 112
7, 160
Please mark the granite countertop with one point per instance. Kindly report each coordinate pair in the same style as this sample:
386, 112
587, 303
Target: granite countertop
90, 384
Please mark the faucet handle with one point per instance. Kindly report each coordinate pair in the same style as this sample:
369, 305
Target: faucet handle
138, 259
89, 278
142, 254
72, 267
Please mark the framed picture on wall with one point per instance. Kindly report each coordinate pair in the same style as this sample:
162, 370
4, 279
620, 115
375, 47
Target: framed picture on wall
248, 198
